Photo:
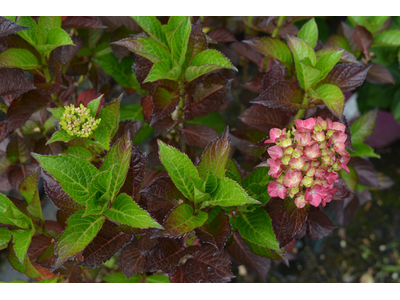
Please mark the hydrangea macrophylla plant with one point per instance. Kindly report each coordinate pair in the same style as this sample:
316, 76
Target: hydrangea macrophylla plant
305, 160
77, 121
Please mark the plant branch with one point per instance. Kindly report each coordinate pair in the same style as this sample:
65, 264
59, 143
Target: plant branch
278, 27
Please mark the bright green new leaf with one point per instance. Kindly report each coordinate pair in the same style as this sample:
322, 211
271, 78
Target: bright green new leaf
121, 278
102, 138
326, 62
179, 41
308, 76
22, 239
169, 29
375, 23
229, 193
10, 214
273, 48
47, 23
309, 32
80, 231
57, 113
349, 178
56, 37
94, 105
157, 279
131, 112
26, 267
110, 117
193, 72
125, 211
120, 155
213, 120
18, 58
29, 189
153, 27
212, 57
232, 171
73, 173
181, 221
301, 50
332, 97
81, 152
363, 127
5, 236
256, 184
179, 168
256, 227
387, 38
363, 150
163, 70
29, 35
60, 135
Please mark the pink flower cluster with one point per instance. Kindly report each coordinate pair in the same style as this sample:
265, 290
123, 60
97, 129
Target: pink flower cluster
305, 160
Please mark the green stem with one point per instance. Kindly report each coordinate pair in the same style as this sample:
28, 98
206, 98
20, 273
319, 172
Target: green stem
300, 113
278, 27
249, 24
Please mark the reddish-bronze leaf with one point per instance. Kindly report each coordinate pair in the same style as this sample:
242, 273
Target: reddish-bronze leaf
115, 22
281, 94
255, 84
165, 101
280, 221
163, 189
145, 243
247, 51
54, 225
141, 68
216, 232
132, 126
275, 74
206, 95
65, 54
14, 82
88, 95
72, 272
379, 74
366, 174
318, 224
147, 106
347, 31
345, 210
106, 243
198, 135
297, 217
263, 118
347, 76
343, 190
204, 266
38, 245
82, 22
97, 76
179, 276
131, 260
135, 175
241, 252
222, 34
363, 38
8, 27
166, 254
197, 41
56, 194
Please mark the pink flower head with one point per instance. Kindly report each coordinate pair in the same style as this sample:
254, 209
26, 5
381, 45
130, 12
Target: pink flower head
338, 139
315, 195
275, 133
312, 152
321, 172
300, 201
305, 125
276, 167
304, 138
332, 177
292, 178
276, 190
297, 163
275, 152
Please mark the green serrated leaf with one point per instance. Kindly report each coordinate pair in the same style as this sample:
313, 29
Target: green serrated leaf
349, 178
73, 173
256, 184
56, 37
179, 41
326, 62
26, 267
60, 135
57, 113
10, 214
309, 32
110, 116
363, 127
181, 221
389, 38
332, 97
157, 279
229, 193
94, 105
81, 152
153, 27
121, 278
301, 50
256, 227
80, 231
22, 239
232, 171
179, 168
18, 58
29, 190
363, 150
47, 23
5, 237
125, 211
193, 72
213, 120
102, 138
29, 35
163, 70
169, 29
308, 76
131, 112
212, 57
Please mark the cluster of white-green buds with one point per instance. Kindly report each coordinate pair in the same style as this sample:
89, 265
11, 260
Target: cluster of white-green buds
77, 121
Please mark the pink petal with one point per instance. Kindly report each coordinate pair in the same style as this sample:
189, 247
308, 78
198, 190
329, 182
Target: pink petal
292, 178
275, 152
276, 190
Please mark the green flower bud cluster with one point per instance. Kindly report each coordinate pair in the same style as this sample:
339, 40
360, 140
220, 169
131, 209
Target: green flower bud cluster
77, 121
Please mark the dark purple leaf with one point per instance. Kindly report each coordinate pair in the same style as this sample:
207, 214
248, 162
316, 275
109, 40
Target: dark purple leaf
165, 101
247, 51
166, 254
363, 38
275, 74
198, 135
318, 224
141, 68
145, 243
255, 84
197, 41
379, 74
204, 266
222, 34
82, 22
98, 77
65, 54
8, 27
347, 76
14, 82
131, 260
115, 22
179, 276
343, 190
38, 245
347, 31
106, 243
345, 210
366, 174
241, 252
280, 221
216, 232
387, 130
297, 216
